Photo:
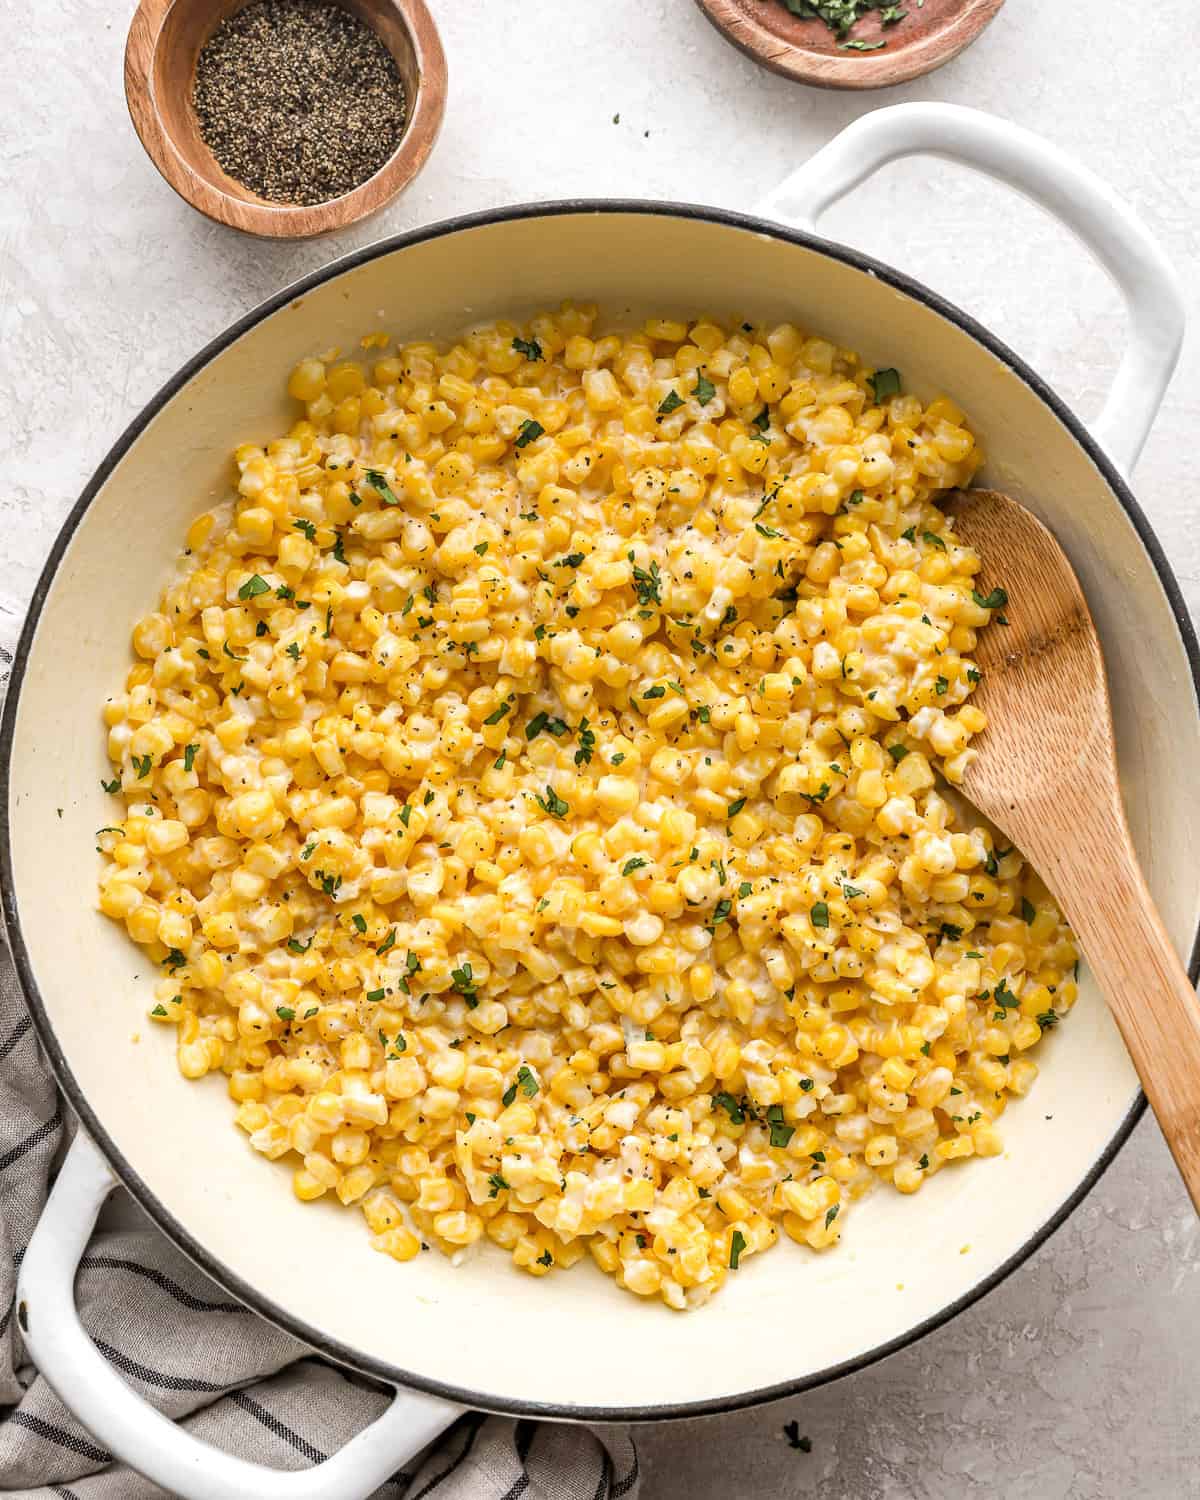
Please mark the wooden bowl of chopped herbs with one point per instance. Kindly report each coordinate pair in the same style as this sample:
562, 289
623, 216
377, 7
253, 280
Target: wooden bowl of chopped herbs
851, 44
286, 118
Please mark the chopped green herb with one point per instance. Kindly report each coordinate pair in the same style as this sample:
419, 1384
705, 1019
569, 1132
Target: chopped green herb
636, 863
1048, 1020
721, 911
587, 744
285, 1012
704, 389
731, 1107
1028, 911
832, 1214
884, 383
375, 996
530, 348
735, 807
142, 765
381, 487
997, 599
480, 548
933, 539
307, 527
494, 718
528, 1083
768, 531
819, 916
528, 432
791, 1431
648, 584
737, 1244
672, 401
553, 803
254, 586
897, 752
497, 1183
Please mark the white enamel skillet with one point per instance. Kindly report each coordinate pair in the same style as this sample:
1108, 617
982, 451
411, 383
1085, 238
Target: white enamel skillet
571, 1346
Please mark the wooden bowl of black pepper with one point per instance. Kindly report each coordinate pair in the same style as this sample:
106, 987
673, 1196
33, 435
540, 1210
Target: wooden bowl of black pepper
286, 118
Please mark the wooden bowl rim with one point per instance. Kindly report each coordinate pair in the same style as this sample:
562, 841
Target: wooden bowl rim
848, 71
426, 106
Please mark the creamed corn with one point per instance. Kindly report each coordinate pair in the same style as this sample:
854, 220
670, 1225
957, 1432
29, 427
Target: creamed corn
532, 799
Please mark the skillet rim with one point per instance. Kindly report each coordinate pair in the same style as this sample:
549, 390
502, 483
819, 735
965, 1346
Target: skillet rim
253, 1297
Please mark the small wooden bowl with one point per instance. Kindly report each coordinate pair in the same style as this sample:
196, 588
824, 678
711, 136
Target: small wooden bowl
808, 51
160, 69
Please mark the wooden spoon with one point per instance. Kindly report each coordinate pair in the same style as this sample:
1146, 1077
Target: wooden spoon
1046, 775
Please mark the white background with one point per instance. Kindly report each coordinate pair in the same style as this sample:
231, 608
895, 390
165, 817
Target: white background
1078, 1378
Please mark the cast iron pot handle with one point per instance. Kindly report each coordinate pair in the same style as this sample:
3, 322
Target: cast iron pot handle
1108, 228
132, 1428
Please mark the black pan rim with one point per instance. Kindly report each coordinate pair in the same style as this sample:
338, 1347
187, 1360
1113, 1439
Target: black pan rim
253, 1297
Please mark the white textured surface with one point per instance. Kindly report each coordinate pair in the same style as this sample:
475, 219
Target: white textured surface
1075, 1380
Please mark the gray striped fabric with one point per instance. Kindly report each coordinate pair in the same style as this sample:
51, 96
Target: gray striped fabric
225, 1374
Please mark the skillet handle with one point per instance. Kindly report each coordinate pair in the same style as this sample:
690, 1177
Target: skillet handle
1108, 228
133, 1429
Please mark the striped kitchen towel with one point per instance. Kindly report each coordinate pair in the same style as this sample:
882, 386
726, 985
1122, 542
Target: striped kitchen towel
210, 1364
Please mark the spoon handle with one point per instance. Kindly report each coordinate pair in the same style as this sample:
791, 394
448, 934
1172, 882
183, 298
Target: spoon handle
1104, 896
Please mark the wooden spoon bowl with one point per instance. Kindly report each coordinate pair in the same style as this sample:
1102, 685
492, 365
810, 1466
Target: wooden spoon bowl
1046, 776
808, 51
164, 42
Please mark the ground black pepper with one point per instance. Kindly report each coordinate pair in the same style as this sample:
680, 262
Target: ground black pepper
298, 99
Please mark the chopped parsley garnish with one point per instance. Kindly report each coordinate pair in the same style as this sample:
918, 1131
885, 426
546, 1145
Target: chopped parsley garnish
159, 1010
587, 744
1028, 910
530, 348
381, 487
293, 650
112, 786
572, 560
552, 803
735, 807
545, 1259
819, 916
189, 756
495, 717
527, 1082
285, 1012
388, 942
933, 539
1048, 1020
992, 864
884, 383
897, 752
254, 586
647, 584
142, 765
672, 401
480, 548
737, 1244
721, 911
731, 1107
359, 921
497, 1184
704, 389
940, 685
832, 1214
636, 863
997, 599
781, 1133
529, 432
294, 945
464, 982
375, 995
307, 527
